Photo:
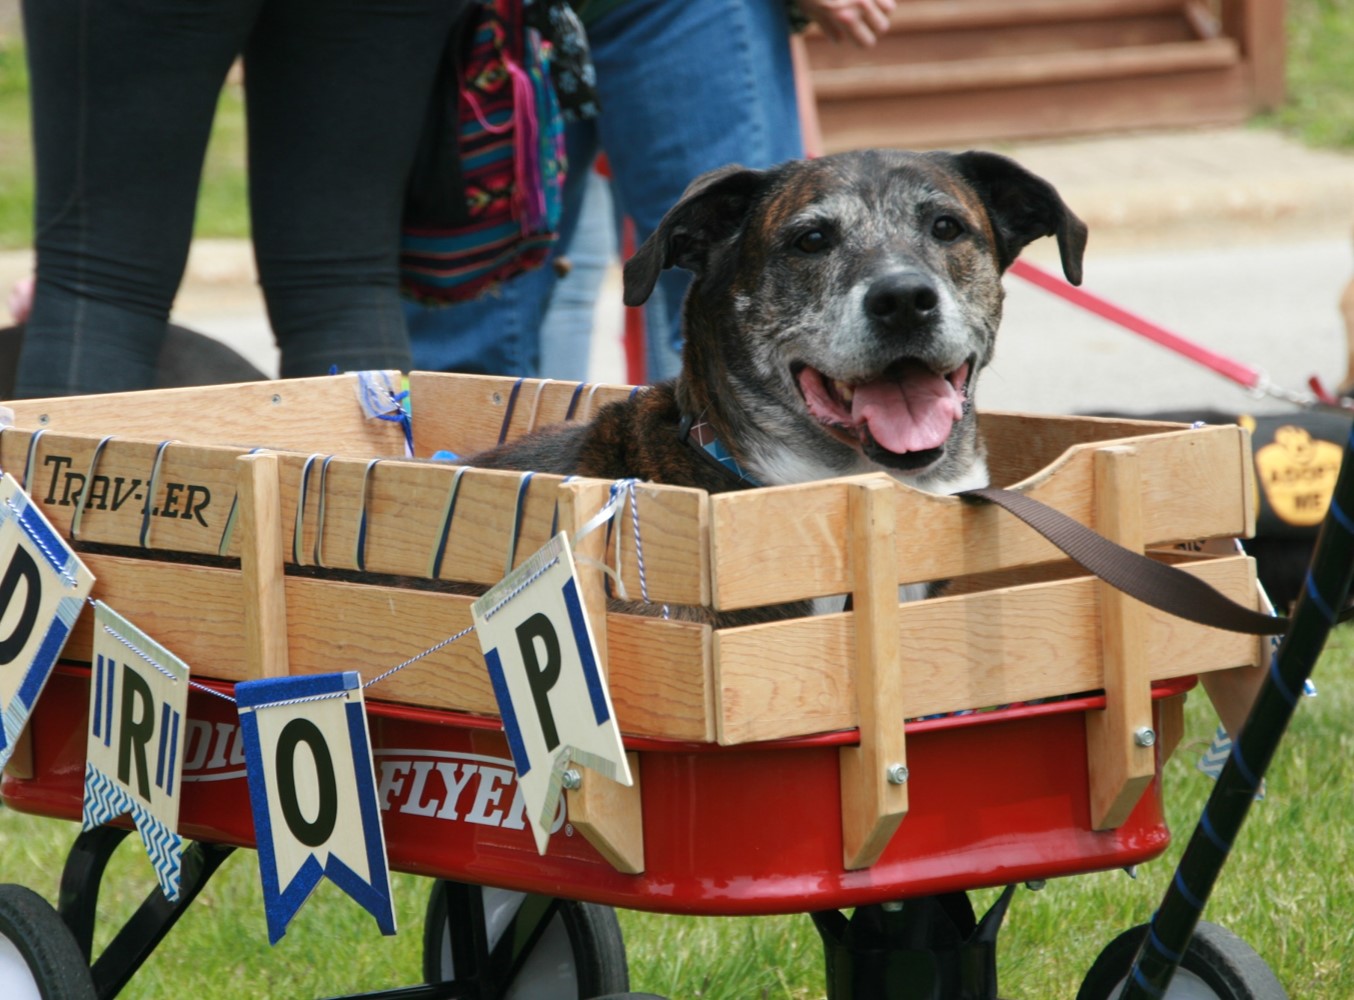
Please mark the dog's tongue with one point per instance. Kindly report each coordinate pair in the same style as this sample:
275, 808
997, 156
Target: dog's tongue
913, 411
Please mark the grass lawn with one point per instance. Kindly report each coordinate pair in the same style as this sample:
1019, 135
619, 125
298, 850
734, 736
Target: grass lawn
1286, 890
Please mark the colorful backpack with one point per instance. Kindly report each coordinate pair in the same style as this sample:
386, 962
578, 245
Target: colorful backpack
484, 197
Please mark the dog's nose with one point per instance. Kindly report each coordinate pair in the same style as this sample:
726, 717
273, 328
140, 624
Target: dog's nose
901, 299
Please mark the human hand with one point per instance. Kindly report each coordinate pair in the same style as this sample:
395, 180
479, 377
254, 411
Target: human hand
21, 299
860, 21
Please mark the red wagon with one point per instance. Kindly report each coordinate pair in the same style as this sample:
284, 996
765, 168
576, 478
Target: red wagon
775, 770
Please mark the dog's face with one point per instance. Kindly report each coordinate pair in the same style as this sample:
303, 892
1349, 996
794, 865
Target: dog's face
847, 304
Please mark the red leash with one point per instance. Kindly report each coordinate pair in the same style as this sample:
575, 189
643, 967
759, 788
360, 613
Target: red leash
1244, 375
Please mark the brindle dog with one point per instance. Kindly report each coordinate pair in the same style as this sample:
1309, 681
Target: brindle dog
841, 311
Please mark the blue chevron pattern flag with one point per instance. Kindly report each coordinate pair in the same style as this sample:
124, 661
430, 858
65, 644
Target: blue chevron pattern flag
43, 587
138, 701
312, 788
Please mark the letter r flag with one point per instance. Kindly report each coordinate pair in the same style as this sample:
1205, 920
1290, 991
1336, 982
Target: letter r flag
138, 701
312, 789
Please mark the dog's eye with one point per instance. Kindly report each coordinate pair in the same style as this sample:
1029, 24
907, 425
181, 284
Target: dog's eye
814, 241
947, 229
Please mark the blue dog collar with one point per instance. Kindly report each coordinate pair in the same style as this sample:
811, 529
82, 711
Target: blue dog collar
702, 437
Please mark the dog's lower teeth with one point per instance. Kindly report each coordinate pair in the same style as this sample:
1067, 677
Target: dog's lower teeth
844, 391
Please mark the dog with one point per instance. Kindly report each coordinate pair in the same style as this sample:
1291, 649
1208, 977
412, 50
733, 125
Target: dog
840, 313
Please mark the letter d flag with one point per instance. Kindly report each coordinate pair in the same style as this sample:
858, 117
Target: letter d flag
313, 793
43, 586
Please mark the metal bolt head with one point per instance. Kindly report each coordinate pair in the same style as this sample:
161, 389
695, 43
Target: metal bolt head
1145, 737
898, 774
571, 780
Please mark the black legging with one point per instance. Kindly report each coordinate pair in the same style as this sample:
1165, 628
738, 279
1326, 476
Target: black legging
123, 93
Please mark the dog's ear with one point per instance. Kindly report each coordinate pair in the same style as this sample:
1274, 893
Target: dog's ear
1023, 208
713, 208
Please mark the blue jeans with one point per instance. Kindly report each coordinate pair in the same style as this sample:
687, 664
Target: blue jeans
684, 88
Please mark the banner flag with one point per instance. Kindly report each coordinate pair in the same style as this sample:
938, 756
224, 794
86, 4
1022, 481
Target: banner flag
312, 788
551, 693
138, 703
43, 587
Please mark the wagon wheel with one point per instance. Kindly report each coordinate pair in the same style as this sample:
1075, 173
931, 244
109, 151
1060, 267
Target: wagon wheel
39, 959
513, 946
1217, 965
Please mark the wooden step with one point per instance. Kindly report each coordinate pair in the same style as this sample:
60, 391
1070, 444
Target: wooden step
1000, 72
955, 117
971, 70
932, 15
943, 30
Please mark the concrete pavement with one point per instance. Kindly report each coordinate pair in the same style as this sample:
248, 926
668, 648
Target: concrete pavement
1236, 237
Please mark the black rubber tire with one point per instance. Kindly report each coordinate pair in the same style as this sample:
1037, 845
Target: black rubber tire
1217, 965
34, 937
579, 955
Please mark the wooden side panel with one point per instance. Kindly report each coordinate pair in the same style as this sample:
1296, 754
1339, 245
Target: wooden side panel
1037, 641
198, 613
786, 543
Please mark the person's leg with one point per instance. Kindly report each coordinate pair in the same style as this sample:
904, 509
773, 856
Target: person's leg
495, 334
500, 332
685, 88
122, 98
336, 96
566, 334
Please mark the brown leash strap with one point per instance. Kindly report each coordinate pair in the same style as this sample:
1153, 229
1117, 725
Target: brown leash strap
1157, 584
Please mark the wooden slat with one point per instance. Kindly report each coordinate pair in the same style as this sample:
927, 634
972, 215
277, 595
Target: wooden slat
1170, 725
872, 804
608, 814
1119, 766
1121, 64
261, 566
1023, 445
932, 15
946, 119
465, 413
1038, 641
659, 675
957, 42
788, 543
312, 414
